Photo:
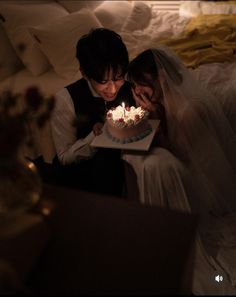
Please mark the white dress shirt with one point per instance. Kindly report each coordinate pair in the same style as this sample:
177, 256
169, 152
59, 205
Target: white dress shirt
69, 149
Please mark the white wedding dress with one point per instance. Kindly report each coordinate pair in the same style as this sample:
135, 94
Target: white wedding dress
198, 175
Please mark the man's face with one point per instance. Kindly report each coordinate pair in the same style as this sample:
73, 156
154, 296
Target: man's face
109, 87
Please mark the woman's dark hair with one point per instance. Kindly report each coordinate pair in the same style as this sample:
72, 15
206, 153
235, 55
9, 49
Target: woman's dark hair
101, 50
142, 68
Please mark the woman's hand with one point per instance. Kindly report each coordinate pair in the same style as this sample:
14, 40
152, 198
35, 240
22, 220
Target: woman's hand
97, 128
144, 102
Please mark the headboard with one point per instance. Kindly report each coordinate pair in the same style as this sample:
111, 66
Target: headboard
165, 5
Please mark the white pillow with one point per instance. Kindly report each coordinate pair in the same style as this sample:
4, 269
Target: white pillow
190, 9
113, 14
9, 62
58, 40
139, 17
17, 18
214, 8
195, 8
72, 5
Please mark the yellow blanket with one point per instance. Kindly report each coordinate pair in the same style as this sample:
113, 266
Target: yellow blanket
206, 39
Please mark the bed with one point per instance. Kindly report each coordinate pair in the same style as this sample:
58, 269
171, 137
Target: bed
201, 32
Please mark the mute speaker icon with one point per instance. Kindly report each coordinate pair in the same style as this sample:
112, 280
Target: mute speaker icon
218, 278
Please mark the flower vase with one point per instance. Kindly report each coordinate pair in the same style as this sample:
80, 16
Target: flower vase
20, 186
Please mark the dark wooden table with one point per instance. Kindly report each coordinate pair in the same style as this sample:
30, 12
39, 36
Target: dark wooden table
23, 239
106, 245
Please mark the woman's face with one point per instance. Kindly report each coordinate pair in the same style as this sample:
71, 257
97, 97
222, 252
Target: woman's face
109, 87
151, 90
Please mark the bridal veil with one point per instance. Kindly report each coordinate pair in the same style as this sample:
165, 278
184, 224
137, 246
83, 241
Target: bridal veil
200, 175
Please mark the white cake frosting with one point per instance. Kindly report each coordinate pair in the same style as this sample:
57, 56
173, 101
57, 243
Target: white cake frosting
129, 124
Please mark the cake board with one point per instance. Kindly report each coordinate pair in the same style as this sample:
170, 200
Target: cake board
104, 141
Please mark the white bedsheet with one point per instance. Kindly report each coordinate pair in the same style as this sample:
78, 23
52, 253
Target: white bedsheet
162, 25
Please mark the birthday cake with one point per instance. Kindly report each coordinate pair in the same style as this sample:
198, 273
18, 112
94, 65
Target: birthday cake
127, 124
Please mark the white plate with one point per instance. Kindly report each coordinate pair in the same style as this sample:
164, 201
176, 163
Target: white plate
141, 145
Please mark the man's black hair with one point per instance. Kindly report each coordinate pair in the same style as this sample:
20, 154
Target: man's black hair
101, 50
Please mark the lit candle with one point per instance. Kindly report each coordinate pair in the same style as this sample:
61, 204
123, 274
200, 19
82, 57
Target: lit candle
123, 105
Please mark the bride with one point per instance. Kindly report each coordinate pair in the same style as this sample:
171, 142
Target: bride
191, 165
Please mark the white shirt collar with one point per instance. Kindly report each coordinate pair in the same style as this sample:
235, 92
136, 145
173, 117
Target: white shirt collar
94, 93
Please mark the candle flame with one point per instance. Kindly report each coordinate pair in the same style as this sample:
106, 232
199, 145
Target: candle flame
123, 106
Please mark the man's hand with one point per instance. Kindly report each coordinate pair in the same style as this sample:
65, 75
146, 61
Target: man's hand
97, 128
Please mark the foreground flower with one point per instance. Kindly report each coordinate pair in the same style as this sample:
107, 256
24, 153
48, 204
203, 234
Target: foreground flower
17, 114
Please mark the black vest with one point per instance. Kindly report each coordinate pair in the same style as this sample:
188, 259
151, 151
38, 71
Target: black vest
90, 109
